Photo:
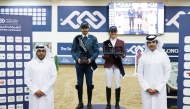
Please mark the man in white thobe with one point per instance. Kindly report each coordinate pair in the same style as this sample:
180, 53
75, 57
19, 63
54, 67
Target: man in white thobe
40, 76
154, 70
151, 19
119, 22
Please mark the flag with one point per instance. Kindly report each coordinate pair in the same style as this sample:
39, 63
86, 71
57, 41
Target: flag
138, 55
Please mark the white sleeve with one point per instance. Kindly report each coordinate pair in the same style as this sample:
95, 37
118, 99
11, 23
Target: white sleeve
28, 80
140, 73
167, 71
47, 88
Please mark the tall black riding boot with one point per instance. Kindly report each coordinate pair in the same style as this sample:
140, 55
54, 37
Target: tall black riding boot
89, 93
80, 91
108, 96
117, 97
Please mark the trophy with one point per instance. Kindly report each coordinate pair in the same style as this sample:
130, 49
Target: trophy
84, 58
108, 50
119, 50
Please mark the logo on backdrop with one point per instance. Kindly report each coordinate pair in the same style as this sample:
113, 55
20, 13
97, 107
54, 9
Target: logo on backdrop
70, 20
2, 20
80, 16
134, 48
172, 15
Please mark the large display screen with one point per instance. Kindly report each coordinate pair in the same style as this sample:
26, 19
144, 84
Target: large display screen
137, 18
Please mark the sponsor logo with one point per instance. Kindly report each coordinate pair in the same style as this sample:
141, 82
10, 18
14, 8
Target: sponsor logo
10, 81
2, 82
11, 106
18, 72
134, 48
18, 39
26, 39
80, 16
19, 106
152, 5
123, 5
187, 74
174, 21
10, 39
98, 60
18, 64
19, 90
19, 81
2, 65
18, 56
2, 20
26, 47
19, 98
10, 47
11, 90
26, 56
100, 49
2, 99
10, 56
187, 65
65, 48
2, 90
18, 47
10, 64
2, 38
11, 98
65, 60
2, 47
10, 73
3, 107
26, 89
128, 61
26, 97
2, 56
2, 73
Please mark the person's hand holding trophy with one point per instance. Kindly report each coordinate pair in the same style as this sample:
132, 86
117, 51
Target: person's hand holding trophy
84, 58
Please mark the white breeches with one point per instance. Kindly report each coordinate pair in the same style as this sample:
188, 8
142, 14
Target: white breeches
109, 72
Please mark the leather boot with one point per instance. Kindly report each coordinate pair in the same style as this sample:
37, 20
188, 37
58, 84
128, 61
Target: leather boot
117, 97
108, 96
80, 92
89, 93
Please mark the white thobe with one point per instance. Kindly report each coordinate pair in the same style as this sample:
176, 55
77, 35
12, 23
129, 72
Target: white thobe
40, 75
151, 19
119, 22
154, 70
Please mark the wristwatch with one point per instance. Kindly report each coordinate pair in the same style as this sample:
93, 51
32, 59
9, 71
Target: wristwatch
172, 82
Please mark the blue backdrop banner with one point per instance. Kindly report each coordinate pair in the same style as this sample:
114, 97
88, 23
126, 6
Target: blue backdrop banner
41, 15
183, 99
70, 18
172, 14
15, 50
171, 49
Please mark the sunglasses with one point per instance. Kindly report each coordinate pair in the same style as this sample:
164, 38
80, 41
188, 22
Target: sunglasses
151, 42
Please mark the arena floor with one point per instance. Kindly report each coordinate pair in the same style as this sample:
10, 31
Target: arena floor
66, 94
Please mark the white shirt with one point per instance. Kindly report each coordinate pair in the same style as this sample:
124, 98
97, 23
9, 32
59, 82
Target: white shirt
84, 35
113, 41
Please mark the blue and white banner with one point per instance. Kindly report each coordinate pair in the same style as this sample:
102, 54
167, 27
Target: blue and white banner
99, 60
70, 18
15, 50
183, 99
64, 52
172, 14
41, 15
65, 48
